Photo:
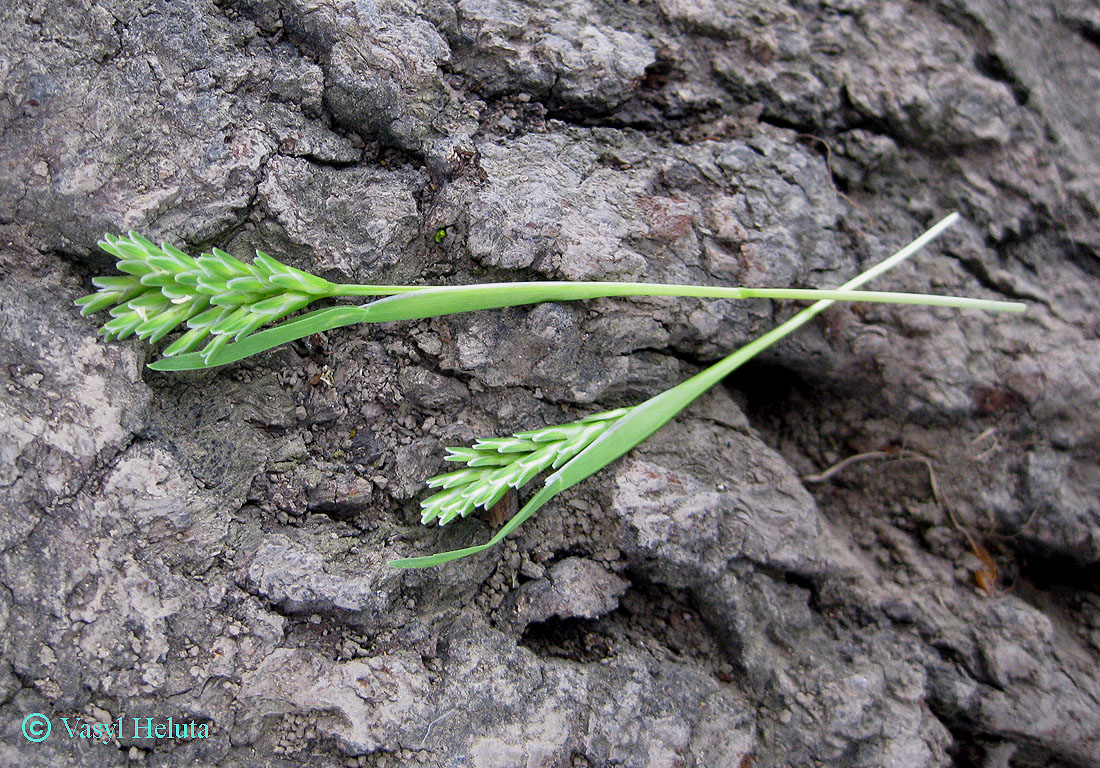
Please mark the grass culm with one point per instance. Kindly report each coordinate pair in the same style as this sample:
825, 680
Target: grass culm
227, 310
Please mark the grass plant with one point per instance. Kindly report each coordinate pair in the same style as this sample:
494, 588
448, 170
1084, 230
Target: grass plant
222, 305
223, 301
578, 450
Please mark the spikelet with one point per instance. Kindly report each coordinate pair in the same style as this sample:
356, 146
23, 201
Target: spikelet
497, 464
218, 297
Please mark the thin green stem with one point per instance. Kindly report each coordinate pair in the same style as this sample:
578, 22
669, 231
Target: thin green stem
609, 289
352, 289
886, 297
723, 368
435, 302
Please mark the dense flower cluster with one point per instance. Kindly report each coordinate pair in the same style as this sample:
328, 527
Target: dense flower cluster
217, 296
500, 463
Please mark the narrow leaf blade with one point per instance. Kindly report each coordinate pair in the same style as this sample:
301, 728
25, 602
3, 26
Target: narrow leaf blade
309, 323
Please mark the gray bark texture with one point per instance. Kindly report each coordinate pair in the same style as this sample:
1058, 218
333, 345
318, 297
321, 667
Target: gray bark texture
212, 546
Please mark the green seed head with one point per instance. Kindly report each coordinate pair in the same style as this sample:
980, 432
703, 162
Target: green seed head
216, 296
497, 464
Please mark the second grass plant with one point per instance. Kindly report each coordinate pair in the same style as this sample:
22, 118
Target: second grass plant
580, 449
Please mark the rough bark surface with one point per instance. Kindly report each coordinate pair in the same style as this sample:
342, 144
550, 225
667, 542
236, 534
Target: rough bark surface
212, 546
